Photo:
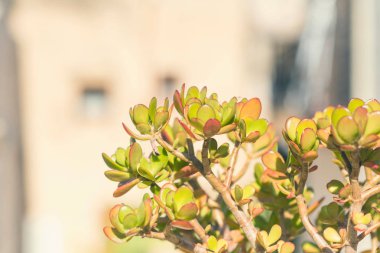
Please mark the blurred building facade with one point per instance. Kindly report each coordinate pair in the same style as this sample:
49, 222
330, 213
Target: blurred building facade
82, 64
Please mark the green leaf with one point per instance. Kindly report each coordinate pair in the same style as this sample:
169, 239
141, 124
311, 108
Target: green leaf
291, 127
373, 104
274, 161
274, 234
305, 124
117, 176
205, 113
222, 151
373, 123
238, 193
120, 156
332, 235
130, 221
260, 125
339, 113
161, 119
140, 114
334, 186
309, 247
348, 130
143, 128
135, 155
187, 212
181, 197
308, 139
355, 103
228, 113
212, 243
114, 218
152, 109
111, 163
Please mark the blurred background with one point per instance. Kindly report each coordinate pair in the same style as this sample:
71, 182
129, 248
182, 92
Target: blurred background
70, 70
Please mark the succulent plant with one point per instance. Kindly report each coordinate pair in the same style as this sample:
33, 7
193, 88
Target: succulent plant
192, 173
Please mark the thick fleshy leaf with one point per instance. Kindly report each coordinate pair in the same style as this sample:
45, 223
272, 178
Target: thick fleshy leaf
212, 243
152, 109
248, 191
135, 155
205, 112
161, 119
124, 211
182, 224
334, 186
228, 114
355, 103
373, 123
262, 238
211, 127
182, 196
114, 235
143, 128
124, 188
178, 102
308, 138
339, 113
260, 125
191, 110
187, 212
140, 114
134, 135
305, 124
237, 193
111, 163
120, 156
130, 221
274, 161
373, 104
222, 151
348, 130
274, 234
287, 247
360, 218
310, 156
117, 176
251, 109
291, 127
360, 117
114, 218
192, 92
309, 247
332, 235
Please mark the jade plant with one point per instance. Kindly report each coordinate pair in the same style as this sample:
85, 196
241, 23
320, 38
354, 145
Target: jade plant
215, 181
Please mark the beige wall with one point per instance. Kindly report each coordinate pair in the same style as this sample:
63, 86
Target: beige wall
125, 46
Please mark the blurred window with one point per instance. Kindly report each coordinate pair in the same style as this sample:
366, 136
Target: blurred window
168, 85
94, 101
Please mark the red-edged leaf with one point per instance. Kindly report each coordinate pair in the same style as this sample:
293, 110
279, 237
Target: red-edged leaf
181, 224
123, 189
134, 135
211, 127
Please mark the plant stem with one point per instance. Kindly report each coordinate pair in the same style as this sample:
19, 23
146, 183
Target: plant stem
303, 211
231, 168
180, 242
357, 202
205, 169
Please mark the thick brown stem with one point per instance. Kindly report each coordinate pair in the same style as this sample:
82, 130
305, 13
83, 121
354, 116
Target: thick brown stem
180, 242
224, 192
310, 228
199, 230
